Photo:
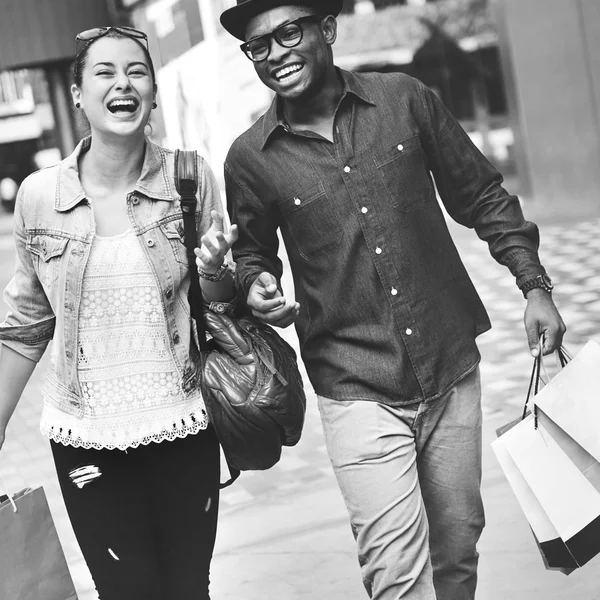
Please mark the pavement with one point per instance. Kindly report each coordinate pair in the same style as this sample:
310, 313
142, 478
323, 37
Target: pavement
284, 534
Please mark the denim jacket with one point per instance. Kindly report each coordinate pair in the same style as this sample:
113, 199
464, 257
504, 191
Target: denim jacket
388, 311
54, 228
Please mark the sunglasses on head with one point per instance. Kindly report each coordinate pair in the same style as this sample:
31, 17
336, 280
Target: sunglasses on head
97, 32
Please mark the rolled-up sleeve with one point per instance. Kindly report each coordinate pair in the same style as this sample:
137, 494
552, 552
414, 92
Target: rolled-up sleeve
471, 189
29, 324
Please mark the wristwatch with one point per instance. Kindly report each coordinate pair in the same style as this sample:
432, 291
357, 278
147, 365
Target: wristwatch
539, 281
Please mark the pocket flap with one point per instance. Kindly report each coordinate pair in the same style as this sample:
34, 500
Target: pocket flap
46, 246
399, 149
173, 229
303, 198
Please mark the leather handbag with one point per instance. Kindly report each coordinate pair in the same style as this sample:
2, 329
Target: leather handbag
250, 381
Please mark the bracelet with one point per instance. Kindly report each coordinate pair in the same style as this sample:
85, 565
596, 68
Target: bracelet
215, 277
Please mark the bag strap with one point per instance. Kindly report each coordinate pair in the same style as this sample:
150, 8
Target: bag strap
562, 358
186, 184
8, 497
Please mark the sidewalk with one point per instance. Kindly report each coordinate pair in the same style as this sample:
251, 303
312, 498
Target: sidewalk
307, 551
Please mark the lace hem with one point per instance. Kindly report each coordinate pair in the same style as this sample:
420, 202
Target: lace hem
100, 434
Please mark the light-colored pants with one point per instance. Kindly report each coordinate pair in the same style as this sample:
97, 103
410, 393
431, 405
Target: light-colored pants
411, 479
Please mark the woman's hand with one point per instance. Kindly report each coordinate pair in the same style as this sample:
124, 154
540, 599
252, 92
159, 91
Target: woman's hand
215, 245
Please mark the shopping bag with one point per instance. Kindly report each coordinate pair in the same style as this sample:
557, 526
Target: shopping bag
556, 551
32, 562
569, 500
553, 550
572, 399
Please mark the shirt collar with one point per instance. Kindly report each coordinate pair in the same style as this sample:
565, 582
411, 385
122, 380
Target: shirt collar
273, 118
154, 181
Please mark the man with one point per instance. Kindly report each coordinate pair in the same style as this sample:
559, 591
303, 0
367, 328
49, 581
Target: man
387, 316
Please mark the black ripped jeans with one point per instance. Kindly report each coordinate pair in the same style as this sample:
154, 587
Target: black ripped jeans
145, 519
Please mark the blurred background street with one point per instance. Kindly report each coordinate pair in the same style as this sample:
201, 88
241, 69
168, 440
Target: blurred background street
522, 77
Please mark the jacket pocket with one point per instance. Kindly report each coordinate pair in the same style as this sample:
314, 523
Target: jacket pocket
47, 250
403, 168
311, 221
173, 231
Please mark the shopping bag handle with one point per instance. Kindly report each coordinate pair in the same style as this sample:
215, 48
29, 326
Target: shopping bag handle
563, 356
9, 496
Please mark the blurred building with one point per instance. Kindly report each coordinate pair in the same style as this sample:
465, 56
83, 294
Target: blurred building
551, 58
27, 139
522, 76
208, 90
37, 47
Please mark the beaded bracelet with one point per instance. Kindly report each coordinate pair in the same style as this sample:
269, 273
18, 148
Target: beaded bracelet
215, 277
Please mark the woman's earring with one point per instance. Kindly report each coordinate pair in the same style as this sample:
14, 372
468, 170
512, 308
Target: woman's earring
77, 105
154, 105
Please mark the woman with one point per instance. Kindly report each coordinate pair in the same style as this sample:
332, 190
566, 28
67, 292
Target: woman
101, 269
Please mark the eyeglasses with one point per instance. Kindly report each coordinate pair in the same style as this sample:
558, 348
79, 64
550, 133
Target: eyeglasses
288, 36
97, 32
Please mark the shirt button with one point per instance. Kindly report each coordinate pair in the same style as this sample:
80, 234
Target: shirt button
135, 200
297, 201
347, 169
169, 293
176, 338
364, 210
400, 147
378, 250
394, 292
409, 331
150, 243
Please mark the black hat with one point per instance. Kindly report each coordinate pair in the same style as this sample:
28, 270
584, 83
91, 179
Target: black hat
236, 19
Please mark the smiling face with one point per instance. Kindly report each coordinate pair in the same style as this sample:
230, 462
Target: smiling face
116, 90
294, 73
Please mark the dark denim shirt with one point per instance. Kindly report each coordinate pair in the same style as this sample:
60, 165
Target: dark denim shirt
388, 311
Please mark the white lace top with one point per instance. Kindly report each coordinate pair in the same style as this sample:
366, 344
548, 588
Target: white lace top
131, 388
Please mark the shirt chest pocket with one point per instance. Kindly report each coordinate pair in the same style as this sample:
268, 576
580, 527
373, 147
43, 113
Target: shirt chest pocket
312, 221
173, 231
404, 171
47, 251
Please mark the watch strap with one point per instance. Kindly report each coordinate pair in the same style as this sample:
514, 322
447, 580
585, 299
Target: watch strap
539, 281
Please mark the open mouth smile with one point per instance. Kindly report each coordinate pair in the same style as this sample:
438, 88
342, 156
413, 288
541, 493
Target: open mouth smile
123, 105
288, 73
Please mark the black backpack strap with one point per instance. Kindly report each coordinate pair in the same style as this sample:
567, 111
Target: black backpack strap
186, 183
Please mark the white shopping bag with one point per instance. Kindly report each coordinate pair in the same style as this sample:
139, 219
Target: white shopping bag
555, 554
572, 399
567, 497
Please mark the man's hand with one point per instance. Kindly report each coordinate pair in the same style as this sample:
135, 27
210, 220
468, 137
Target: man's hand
215, 244
542, 318
267, 303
